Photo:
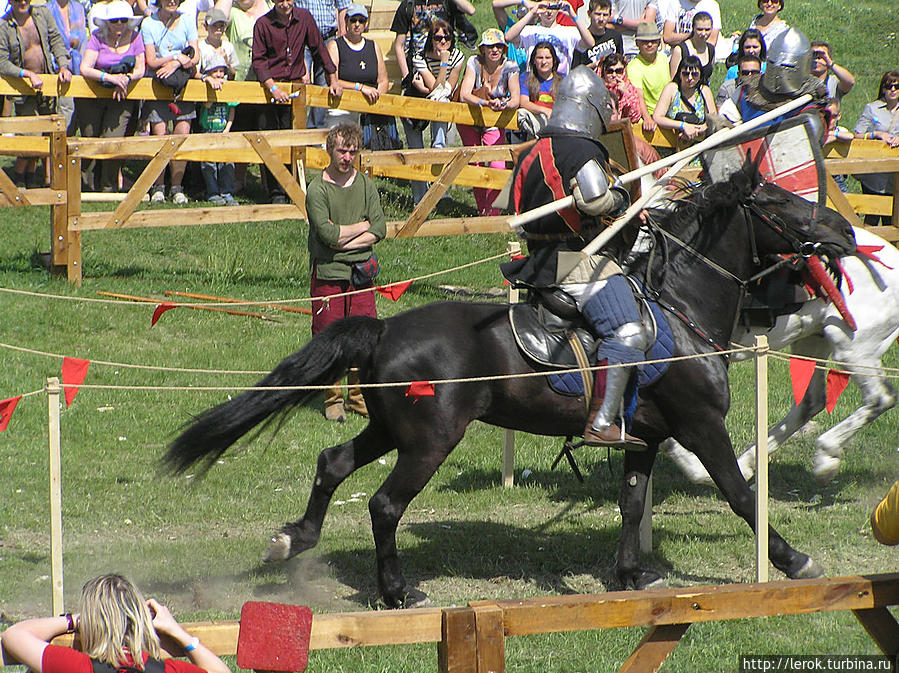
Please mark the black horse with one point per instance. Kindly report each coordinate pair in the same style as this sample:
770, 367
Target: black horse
719, 233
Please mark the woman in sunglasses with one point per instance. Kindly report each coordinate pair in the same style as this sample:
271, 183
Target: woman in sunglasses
685, 103
880, 121
114, 56
436, 71
697, 45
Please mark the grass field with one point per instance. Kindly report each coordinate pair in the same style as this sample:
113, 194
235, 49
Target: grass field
196, 544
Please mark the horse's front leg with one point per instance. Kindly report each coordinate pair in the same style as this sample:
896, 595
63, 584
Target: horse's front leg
334, 465
631, 502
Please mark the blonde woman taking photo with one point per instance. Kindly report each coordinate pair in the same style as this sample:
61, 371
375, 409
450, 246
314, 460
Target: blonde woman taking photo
119, 631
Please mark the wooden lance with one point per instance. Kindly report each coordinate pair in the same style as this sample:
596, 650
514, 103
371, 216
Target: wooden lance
677, 161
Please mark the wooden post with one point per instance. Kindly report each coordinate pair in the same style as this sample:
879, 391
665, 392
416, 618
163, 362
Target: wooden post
298, 121
514, 248
645, 533
457, 649
491, 638
895, 219
761, 458
59, 225
55, 496
73, 210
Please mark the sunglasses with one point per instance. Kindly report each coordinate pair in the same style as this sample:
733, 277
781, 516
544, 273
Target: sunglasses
441, 38
356, 19
117, 20
744, 73
690, 72
892, 87
494, 46
615, 71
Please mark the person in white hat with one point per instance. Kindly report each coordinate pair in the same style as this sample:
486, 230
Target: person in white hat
114, 57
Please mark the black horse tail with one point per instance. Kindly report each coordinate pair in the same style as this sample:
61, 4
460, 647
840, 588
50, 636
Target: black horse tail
322, 361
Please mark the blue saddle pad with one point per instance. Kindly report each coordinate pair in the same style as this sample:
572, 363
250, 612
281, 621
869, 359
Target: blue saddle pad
570, 383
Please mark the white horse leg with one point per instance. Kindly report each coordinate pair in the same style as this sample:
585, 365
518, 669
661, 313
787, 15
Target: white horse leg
800, 414
688, 463
878, 396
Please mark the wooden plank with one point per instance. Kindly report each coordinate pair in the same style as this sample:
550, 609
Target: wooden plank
24, 146
890, 233
144, 181
41, 196
859, 149
442, 155
871, 204
654, 649
40, 124
281, 174
469, 176
490, 638
862, 165
361, 629
456, 226
59, 219
882, 627
457, 649
837, 201
697, 604
147, 147
437, 190
73, 214
190, 216
12, 194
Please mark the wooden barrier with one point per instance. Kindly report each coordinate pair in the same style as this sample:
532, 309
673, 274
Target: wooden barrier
471, 639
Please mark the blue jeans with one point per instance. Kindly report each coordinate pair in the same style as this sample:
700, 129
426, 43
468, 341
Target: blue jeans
316, 117
219, 177
415, 140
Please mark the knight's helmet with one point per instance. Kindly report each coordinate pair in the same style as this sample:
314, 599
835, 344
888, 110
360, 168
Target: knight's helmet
788, 63
582, 105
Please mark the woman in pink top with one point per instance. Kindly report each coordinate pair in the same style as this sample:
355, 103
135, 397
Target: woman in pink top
114, 57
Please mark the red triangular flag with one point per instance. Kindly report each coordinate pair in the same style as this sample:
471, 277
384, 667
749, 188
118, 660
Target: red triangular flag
837, 380
157, 313
7, 406
801, 372
869, 250
73, 373
394, 291
419, 389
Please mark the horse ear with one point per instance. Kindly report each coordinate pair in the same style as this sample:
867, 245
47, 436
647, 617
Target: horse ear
751, 166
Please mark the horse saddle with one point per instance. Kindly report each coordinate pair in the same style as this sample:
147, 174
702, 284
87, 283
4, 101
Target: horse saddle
549, 330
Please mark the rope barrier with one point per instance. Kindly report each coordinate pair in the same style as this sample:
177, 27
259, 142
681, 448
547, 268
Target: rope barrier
93, 300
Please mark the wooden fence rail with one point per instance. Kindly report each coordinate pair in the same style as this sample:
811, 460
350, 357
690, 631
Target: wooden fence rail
471, 639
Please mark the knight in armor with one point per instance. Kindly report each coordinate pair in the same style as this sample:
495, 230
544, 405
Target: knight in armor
787, 76
568, 159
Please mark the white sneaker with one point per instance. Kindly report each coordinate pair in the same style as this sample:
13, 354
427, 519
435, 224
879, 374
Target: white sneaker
157, 196
179, 198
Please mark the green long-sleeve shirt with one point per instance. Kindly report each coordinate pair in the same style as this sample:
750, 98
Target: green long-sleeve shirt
329, 207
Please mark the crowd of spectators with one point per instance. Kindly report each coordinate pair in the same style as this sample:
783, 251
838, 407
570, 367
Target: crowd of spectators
655, 56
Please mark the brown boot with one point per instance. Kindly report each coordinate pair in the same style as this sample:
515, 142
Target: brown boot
334, 410
355, 402
610, 436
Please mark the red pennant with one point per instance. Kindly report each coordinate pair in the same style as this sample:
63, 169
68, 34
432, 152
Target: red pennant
869, 250
394, 291
157, 313
514, 257
801, 372
73, 373
837, 380
7, 406
419, 389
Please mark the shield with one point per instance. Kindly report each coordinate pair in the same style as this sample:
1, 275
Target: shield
791, 157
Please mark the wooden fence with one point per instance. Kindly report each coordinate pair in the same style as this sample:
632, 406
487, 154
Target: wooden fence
299, 150
471, 639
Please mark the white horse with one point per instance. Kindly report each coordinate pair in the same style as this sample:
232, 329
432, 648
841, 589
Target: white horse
818, 331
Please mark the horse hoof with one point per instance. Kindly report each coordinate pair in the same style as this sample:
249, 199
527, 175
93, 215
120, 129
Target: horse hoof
810, 570
416, 599
643, 579
279, 549
825, 468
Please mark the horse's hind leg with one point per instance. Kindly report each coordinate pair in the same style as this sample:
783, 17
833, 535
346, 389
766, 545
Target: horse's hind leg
878, 396
414, 468
334, 465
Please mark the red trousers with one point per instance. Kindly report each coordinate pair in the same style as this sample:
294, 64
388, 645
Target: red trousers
326, 312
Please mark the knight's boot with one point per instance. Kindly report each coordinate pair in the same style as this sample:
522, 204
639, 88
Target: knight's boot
602, 421
355, 401
334, 410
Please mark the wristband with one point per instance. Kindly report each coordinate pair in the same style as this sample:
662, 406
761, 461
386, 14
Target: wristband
480, 102
102, 76
681, 126
70, 621
358, 86
275, 87
192, 645
22, 72
444, 65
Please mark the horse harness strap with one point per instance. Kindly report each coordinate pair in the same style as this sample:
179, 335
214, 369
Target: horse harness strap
586, 374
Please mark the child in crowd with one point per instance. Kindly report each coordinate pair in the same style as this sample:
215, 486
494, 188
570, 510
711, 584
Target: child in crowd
606, 40
217, 44
217, 118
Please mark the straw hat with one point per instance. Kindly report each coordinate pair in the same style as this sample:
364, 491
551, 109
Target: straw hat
647, 30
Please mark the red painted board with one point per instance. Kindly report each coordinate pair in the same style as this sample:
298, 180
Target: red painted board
274, 636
